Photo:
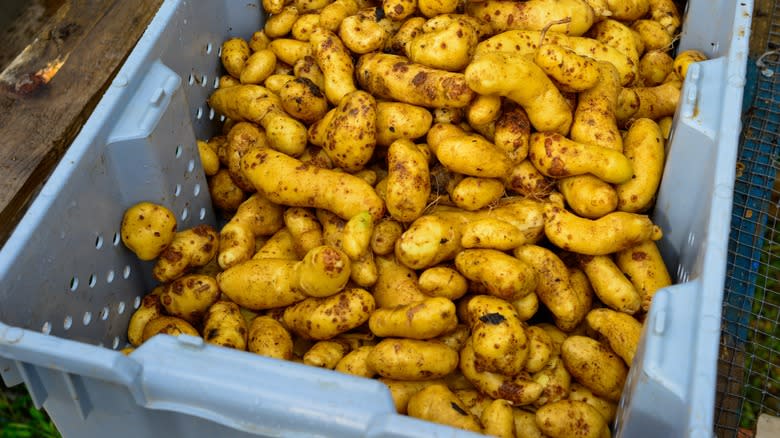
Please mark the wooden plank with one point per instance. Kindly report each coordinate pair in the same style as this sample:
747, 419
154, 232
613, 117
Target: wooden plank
39, 119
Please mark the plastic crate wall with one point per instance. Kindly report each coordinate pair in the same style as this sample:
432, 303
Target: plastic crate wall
140, 144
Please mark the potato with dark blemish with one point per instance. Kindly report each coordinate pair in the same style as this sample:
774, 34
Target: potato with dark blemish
412, 359
399, 9
498, 419
303, 26
396, 120
398, 44
325, 318
235, 52
628, 10
259, 40
224, 325
322, 272
350, 137
386, 232
534, 15
644, 148
257, 216
281, 23
666, 13
555, 380
362, 33
356, 362
446, 42
443, 281
513, 130
307, 68
302, 99
473, 193
395, 77
149, 309
190, 249
408, 181
326, 354
426, 319
475, 401
502, 275
333, 14
167, 325
568, 418
243, 137
556, 156
267, 337
225, 194
654, 67
615, 34
540, 350
189, 297
595, 366
306, 231
288, 181
525, 180
396, 284
498, 338
403, 390
520, 390
647, 271
573, 72
438, 404
147, 229
657, 102
335, 61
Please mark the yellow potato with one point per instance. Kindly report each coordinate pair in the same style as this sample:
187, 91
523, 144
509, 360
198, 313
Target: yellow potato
235, 52
442, 281
475, 401
306, 231
322, 272
395, 77
148, 229
534, 15
190, 249
385, 234
520, 390
257, 216
657, 102
684, 59
399, 9
432, 8
483, 110
469, 154
525, 180
499, 339
553, 286
362, 34
622, 331
208, 158
644, 147
666, 13
281, 23
612, 32
351, 133
356, 236
167, 325
225, 194
555, 380
189, 297
302, 99
588, 196
258, 67
581, 285
570, 70
654, 67
408, 181
267, 337
356, 363
411, 359
472, 193
531, 88
446, 43
606, 408
498, 419
500, 274
628, 10
259, 40
273, 6
303, 26
540, 349
396, 120
399, 42
609, 284
403, 390
226, 81
275, 83
526, 307
595, 366
325, 354
285, 180
556, 156
426, 319
438, 404
525, 424
396, 285
646, 269
568, 418
456, 339
595, 117
611, 233
242, 137
653, 34
333, 14
307, 67
324, 318
279, 246
224, 325
310, 5
335, 62
666, 126
149, 309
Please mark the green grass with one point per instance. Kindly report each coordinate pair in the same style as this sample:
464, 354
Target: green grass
20, 419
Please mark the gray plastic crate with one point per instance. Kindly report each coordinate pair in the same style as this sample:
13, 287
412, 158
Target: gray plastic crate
69, 286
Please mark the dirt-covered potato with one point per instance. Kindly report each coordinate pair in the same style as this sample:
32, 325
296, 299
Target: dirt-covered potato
224, 325
408, 181
534, 15
568, 418
268, 337
326, 354
148, 229
438, 404
167, 325
447, 42
595, 366
324, 318
501, 275
350, 137
149, 309
302, 99
426, 319
189, 249
189, 297
412, 359
356, 362
335, 62
499, 339
257, 216
442, 281
235, 52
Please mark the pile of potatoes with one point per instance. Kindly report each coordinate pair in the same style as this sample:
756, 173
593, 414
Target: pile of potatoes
448, 196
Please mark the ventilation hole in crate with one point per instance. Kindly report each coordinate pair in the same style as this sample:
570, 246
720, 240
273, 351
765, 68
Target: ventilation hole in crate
185, 213
216, 82
126, 272
691, 239
209, 47
204, 80
67, 323
177, 190
199, 113
110, 276
191, 79
202, 213
116, 239
115, 343
99, 241
222, 118
137, 302
120, 308
92, 280
46, 329
219, 51
196, 190
87, 318
74, 283
211, 114
104, 313
190, 166
179, 149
